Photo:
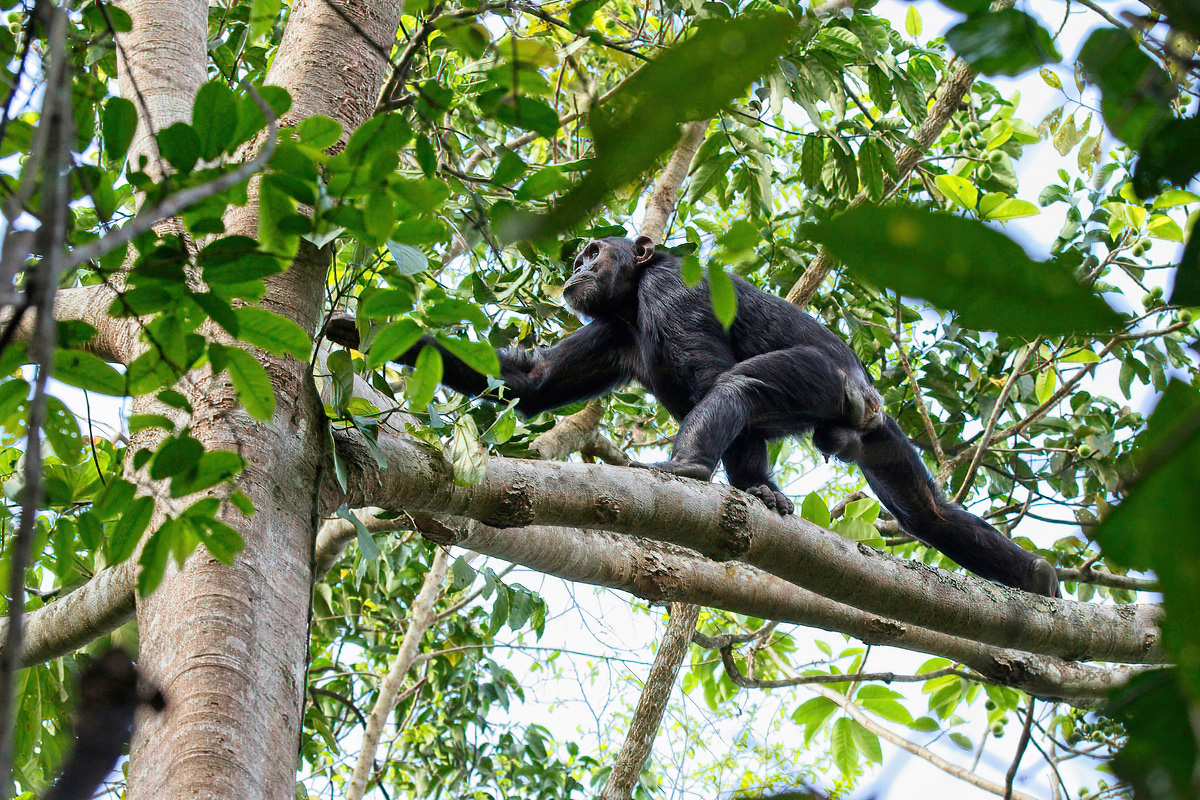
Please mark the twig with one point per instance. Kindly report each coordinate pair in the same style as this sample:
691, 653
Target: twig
998, 409
1021, 745
922, 408
54, 138
747, 682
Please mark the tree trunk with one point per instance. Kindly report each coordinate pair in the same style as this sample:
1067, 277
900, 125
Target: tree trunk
229, 645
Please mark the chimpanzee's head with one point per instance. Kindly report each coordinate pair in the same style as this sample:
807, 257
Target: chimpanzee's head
605, 279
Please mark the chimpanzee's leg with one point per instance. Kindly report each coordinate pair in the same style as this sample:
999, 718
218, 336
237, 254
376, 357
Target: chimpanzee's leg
788, 391
774, 394
747, 467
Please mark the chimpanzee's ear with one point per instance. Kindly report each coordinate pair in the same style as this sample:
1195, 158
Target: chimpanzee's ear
643, 250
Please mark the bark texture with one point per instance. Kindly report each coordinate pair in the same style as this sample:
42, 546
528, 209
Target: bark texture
661, 572
664, 197
647, 717
161, 63
724, 524
229, 645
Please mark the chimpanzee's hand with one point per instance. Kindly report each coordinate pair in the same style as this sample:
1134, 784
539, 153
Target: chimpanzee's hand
341, 330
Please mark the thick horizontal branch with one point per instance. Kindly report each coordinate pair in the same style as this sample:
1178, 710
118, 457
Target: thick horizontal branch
666, 573
725, 524
61, 626
115, 339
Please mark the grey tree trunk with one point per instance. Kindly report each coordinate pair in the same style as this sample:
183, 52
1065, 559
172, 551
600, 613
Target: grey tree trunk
229, 645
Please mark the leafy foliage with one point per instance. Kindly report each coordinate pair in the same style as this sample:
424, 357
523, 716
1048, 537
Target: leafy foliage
485, 139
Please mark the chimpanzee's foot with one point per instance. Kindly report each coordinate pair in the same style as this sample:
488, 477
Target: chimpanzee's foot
684, 469
773, 498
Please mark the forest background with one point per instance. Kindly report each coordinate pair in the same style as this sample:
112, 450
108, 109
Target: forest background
190, 189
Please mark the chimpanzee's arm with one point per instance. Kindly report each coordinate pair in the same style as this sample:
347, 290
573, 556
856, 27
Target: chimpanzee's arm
596, 358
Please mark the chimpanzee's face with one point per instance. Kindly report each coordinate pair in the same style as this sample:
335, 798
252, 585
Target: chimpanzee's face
604, 281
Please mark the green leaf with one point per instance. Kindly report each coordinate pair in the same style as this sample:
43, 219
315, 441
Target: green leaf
263, 14
125, 535
84, 370
1171, 154
215, 466
250, 380
171, 536
641, 119
366, 544
462, 575
386, 303
812, 159
221, 540
1159, 756
120, 124
180, 146
1186, 291
272, 333
966, 266
812, 714
1135, 90
1175, 197
62, 431
959, 190
1166, 466
912, 21
214, 117
392, 342
467, 456
867, 743
140, 422
814, 510
999, 207
319, 132
175, 455
409, 260
1044, 385
1006, 42
841, 746
889, 709
425, 377
479, 356
720, 290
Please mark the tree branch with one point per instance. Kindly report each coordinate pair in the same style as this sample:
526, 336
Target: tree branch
726, 524
652, 704
420, 618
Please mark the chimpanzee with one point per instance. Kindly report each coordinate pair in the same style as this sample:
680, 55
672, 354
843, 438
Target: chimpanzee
776, 372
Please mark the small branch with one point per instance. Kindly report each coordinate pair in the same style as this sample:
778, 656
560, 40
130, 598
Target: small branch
917, 750
652, 704
664, 197
747, 682
1100, 578
420, 618
55, 133
986, 438
922, 408
1021, 745
886, 734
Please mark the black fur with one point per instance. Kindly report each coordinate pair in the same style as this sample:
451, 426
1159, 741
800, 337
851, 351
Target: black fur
776, 372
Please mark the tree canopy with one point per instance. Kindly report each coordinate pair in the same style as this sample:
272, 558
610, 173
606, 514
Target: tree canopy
191, 189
